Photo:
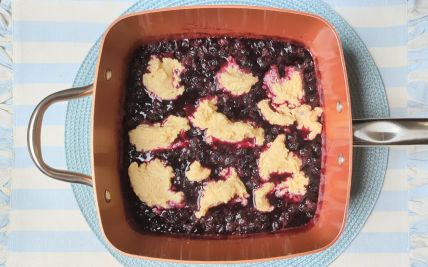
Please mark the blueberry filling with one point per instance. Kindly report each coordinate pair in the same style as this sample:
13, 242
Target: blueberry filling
202, 59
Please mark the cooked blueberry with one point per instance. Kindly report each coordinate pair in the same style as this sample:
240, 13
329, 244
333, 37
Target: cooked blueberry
293, 141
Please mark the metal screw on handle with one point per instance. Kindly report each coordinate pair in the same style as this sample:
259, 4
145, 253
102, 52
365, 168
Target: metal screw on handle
34, 135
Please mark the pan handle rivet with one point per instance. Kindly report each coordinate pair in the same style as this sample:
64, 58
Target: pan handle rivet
339, 106
340, 159
108, 74
107, 196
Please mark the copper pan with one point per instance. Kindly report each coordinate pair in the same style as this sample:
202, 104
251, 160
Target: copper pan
128, 32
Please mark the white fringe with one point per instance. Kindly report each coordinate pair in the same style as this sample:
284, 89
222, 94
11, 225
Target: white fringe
418, 58
418, 107
418, 205
6, 124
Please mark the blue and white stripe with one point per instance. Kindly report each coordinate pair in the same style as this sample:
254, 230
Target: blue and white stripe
51, 38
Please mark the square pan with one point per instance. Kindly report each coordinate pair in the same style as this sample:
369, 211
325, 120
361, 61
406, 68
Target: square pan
120, 40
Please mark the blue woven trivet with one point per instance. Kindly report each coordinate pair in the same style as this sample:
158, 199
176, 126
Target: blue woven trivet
369, 164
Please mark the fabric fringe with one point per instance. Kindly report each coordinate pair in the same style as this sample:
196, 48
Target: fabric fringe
6, 141
418, 58
418, 107
418, 205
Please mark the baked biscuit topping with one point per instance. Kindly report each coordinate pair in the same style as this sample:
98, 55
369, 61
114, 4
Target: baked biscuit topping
197, 172
158, 135
151, 182
308, 118
261, 202
276, 159
221, 192
163, 79
218, 126
234, 80
284, 90
274, 117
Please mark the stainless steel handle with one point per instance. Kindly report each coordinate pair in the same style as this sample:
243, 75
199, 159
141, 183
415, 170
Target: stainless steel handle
34, 133
387, 132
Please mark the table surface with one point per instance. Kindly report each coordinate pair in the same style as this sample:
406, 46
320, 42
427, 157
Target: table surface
50, 40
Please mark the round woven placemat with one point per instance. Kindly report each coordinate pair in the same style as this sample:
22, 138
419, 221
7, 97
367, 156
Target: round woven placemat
368, 101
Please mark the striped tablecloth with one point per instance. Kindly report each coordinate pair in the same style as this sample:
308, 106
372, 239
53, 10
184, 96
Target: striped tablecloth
41, 223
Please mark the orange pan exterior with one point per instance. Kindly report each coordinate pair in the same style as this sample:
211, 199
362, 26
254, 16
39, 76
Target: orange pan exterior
119, 41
